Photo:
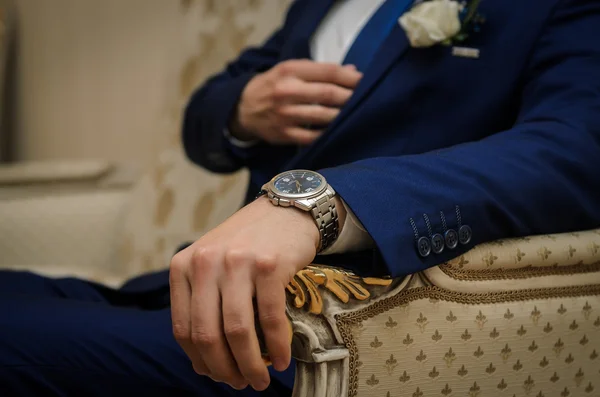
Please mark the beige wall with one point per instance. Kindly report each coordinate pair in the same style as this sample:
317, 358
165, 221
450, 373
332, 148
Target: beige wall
108, 78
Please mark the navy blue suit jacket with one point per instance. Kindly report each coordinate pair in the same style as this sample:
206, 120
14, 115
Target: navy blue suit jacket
511, 138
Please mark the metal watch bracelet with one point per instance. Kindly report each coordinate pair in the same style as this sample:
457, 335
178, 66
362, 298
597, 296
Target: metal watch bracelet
326, 217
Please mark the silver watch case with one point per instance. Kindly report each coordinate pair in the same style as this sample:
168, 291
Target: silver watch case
303, 201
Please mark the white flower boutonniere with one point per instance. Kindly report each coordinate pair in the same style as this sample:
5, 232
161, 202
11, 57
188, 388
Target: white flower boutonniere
440, 21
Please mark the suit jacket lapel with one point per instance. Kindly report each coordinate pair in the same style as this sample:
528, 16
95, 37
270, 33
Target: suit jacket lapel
394, 46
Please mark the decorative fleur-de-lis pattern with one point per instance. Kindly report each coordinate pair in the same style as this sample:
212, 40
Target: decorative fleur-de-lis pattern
522, 257
390, 364
539, 347
422, 322
535, 315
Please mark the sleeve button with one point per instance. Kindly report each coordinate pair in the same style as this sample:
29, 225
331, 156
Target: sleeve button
437, 243
451, 238
465, 234
424, 247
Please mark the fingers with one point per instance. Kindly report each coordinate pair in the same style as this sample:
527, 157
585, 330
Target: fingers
301, 136
238, 319
180, 311
270, 297
308, 114
206, 321
298, 91
308, 70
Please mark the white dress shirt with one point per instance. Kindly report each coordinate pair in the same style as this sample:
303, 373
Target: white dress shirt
330, 43
340, 27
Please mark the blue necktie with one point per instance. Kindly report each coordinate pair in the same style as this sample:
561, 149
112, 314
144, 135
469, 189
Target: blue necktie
374, 33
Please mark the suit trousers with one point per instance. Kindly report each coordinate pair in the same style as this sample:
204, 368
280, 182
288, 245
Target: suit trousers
69, 337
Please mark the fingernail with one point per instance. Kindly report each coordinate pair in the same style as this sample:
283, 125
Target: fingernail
260, 386
240, 386
280, 364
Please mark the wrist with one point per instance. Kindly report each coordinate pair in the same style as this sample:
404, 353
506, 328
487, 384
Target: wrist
309, 192
237, 130
303, 221
239, 125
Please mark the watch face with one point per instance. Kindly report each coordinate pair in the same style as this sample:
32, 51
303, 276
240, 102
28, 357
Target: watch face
297, 183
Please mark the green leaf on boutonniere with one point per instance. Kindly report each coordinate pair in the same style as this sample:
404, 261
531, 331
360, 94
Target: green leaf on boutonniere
461, 37
471, 21
472, 7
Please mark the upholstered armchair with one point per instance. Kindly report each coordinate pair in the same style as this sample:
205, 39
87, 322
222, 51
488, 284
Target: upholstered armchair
55, 215
517, 317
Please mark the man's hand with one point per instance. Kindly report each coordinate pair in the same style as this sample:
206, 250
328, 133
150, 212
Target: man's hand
280, 105
255, 253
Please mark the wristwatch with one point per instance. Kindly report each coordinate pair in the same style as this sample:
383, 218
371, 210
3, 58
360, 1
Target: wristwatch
307, 191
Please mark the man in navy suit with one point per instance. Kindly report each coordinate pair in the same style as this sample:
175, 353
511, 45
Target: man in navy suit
404, 152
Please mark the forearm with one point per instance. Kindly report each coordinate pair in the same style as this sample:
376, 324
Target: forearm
521, 182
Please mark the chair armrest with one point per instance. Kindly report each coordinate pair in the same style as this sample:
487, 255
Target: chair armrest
76, 232
60, 177
30, 172
533, 331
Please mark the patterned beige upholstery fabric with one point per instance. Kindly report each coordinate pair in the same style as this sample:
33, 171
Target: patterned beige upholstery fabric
435, 343
175, 201
517, 317
529, 255
553, 260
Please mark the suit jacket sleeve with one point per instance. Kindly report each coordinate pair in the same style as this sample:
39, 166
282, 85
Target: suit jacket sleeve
541, 176
208, 113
